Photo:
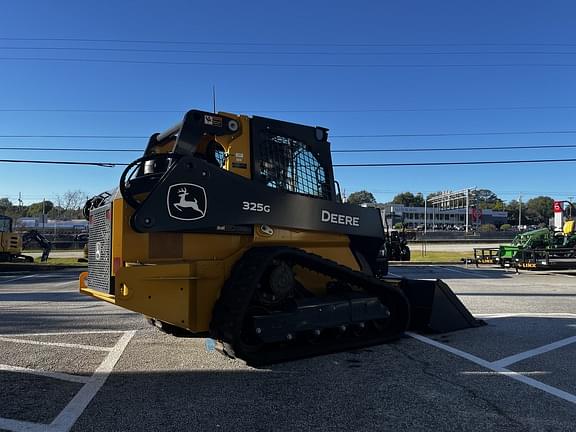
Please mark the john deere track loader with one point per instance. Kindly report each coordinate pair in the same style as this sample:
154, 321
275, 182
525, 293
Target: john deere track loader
231, 227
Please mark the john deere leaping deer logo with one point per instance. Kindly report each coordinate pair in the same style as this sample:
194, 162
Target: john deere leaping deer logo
186, 201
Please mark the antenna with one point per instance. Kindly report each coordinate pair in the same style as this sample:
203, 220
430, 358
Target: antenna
214, 98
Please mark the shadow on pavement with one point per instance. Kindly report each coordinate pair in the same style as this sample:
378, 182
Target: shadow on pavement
448, 272
392, 389
43, 296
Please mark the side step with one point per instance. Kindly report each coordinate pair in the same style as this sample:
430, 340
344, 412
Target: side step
435, 308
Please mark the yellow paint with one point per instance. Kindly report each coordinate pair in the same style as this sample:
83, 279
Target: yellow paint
237, 147
10, 243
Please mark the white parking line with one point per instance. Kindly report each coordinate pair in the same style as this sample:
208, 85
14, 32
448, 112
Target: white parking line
58, 344
48, 374
528, 315
73, 333
70, 414
4, 282
503, 373
507, 361
498, 369
493, 316
22, 426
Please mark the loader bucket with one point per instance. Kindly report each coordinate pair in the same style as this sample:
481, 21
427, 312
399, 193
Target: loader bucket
435, 308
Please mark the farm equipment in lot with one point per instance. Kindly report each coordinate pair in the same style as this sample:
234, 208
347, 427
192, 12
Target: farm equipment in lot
486, 255
546, 259
230, 227
559, 254
12, 243
34, 236
539, 238
396, 246
544, 248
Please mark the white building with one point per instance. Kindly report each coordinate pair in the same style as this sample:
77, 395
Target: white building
413, 217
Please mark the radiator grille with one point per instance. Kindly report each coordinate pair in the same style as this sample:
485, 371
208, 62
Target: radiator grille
99, 245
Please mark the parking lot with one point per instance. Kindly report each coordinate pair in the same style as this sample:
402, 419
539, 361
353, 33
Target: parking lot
68, 362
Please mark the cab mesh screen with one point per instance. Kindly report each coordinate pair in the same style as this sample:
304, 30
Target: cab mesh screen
289, 165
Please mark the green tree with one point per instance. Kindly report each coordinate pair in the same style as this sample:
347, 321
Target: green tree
540, 209
498, 205
486, 199
513, 212
36, 209
409, 199
69, 205
5, 204
361, 197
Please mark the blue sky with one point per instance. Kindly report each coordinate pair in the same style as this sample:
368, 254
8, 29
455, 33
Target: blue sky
394, 35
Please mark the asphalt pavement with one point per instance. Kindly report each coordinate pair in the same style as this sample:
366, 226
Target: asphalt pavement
68, 362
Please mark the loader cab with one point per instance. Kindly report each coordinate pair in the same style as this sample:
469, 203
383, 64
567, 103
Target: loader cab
292, 158
285, 156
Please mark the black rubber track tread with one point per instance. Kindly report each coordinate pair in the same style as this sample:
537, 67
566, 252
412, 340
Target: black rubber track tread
230, 309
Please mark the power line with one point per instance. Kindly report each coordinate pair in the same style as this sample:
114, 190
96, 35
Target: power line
82, 110
328, 53
367, 150
359, 110
444, 134
406, 164
236, 43
51, 162
399, 135
295, 65
444, 149
72, 149
78, 136
356, 165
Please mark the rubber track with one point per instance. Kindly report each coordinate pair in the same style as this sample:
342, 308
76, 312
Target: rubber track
230, 309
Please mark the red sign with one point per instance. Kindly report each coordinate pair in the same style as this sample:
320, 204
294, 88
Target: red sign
476, 214
558, 206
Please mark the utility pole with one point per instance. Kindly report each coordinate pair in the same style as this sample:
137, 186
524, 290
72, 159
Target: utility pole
519, 212
425, 214
467, 208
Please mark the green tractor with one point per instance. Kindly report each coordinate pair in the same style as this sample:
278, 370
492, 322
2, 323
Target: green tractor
554, 243
539, 238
